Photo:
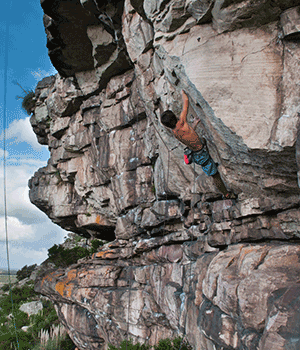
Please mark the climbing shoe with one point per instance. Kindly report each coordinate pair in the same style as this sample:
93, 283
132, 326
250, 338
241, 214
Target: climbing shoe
229, 195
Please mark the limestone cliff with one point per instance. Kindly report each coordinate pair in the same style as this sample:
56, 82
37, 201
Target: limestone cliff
181, 260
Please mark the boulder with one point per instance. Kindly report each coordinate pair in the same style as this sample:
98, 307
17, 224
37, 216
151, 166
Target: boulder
32, 308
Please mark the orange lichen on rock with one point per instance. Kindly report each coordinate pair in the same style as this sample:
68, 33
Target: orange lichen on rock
64, 287
49, 277
108, 254
100, 220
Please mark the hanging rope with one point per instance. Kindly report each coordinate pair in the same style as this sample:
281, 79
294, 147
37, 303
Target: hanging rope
4, 169
166, 188
129, 297
130, 273
193, 211
190, 264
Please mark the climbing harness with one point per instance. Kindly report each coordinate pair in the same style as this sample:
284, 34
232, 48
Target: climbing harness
4, 169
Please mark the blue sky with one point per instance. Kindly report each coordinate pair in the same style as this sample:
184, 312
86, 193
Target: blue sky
31, 233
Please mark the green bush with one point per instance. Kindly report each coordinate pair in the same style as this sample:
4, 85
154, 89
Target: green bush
164, 344
5, 287
96, 243
62, 257
128, 345
10, 326
77, 239
18, 295
175, 344
43, 320
64, 343
25, 272
8, 340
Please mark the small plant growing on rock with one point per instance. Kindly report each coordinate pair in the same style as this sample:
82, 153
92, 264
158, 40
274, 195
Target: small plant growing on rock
96, 243
62, 257
29, 100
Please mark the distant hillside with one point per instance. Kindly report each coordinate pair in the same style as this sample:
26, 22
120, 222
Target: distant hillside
3, 271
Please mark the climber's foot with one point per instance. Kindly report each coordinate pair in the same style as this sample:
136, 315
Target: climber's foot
229, 195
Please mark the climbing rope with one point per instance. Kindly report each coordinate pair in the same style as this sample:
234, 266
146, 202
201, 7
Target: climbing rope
164, 227
130, 273
190, 264
4, 170
166, 188
193, 226
129, 297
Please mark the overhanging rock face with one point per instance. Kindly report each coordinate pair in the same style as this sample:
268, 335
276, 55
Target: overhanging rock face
77, 30
180, 260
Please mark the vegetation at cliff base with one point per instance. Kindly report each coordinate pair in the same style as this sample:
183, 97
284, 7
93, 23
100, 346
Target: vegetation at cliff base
20, 331
43, 330
164, 344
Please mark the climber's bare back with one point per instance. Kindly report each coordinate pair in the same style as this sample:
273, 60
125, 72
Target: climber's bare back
185, 133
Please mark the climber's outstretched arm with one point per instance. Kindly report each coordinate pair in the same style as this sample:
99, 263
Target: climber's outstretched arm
183, 115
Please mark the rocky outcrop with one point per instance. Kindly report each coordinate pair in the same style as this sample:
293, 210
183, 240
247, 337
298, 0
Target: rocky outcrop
180, 260
32, 308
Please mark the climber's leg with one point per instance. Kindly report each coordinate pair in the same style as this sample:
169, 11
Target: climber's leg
203, 158
222, 188
220, 184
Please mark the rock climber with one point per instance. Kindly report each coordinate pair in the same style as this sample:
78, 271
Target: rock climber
196, 151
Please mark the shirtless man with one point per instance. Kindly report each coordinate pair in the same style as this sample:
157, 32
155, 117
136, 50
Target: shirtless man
187, 135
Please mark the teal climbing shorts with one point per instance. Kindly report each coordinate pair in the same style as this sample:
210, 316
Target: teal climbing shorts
203, 158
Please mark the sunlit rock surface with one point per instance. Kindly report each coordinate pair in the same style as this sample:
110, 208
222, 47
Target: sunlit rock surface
180, 260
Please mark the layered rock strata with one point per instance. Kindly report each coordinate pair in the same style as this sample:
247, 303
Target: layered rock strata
180, 260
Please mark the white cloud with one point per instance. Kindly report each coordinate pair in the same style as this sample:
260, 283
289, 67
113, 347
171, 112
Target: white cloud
21, 131
31, 232
18, 203
15, 228
20, 255
28, 243
36, 256
2, 153
39, 73
33, 249
36, 163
